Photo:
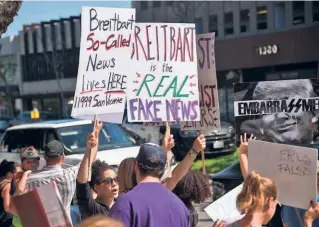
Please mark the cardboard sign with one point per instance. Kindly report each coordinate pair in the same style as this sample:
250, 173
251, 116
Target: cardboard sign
284, 111
106, 38
225, 208
208, 92
35, 209
292, 168
164, 86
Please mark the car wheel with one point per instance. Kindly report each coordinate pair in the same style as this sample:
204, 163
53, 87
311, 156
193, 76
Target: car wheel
218, 190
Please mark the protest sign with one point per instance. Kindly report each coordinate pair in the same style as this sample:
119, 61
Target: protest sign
278, 111
208, 92
225, 208
292, 168
165, 85
106, 38
35, 209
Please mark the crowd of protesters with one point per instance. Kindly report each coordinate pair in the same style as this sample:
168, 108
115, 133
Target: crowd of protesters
138, 195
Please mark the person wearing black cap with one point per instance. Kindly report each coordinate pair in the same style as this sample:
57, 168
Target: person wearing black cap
150, 203
65, 179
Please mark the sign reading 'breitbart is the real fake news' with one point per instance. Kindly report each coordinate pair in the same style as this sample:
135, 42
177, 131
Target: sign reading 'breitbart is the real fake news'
260, 107
106, 38
208, 91
165, 87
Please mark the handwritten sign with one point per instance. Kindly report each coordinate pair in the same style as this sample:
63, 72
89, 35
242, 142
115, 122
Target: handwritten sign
106, 37
208, 92
293, 169
225, 207
165, 84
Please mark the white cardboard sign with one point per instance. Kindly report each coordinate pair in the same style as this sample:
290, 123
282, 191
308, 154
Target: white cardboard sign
225, 208
208, 92
106, 46
164, 82
292, 168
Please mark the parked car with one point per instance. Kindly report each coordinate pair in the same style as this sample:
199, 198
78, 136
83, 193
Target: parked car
115, 142
25, 117
218, 142
150, 134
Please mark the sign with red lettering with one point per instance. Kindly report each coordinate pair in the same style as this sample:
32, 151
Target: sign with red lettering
165, 84
106, 38
208, 92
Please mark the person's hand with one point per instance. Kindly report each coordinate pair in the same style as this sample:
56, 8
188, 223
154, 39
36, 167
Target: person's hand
91, 140
168, 143
199, 144
28, 148
20, 180
312, 213
98, 126
219, 223
243, 149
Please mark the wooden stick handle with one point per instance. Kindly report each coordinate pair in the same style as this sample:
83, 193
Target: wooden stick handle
90, 155
203, 157
169, 160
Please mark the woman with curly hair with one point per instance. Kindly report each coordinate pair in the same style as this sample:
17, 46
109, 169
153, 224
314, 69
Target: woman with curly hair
193, 188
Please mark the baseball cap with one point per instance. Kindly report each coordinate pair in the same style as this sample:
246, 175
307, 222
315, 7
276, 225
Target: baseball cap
151, 156
54, 149
29, 152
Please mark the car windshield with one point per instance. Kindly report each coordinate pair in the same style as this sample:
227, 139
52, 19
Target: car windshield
111, 136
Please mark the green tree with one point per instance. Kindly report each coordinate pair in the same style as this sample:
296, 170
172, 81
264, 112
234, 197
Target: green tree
8, 10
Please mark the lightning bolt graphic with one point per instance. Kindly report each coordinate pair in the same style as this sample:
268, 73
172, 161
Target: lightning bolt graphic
293, 104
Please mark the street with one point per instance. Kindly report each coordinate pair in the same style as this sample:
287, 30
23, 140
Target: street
204, 219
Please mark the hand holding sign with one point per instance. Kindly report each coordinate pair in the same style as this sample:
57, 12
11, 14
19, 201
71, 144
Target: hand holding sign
312, 213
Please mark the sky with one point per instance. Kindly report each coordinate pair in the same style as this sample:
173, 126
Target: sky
37, 11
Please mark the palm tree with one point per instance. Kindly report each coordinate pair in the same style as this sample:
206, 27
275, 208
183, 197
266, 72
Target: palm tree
8, 10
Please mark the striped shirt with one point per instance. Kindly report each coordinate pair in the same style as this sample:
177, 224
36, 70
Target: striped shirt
65, 180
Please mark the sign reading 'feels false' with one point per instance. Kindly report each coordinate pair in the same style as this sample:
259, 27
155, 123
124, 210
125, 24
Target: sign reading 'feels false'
106, 45
165, 84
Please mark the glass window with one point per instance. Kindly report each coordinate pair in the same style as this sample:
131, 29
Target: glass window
225, 80
298, 13
112, 136
229, 23
144, 5
262, 17
14, 140
199, 25
244, 20
156, 4
280, 15
315, 10
213, 24
169, 3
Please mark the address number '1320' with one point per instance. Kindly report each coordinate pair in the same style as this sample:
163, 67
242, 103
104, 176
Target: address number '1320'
267, 50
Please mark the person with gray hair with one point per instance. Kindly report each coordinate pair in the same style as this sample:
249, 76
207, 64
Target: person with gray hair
283, 127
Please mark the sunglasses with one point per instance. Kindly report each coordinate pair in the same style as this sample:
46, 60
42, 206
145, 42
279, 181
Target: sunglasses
110, 180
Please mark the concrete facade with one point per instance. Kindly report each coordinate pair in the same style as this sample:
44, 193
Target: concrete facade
10, 66
278, 15
67, 35
49, 58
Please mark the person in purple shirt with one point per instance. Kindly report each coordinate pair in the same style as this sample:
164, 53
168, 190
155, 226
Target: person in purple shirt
150, 204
